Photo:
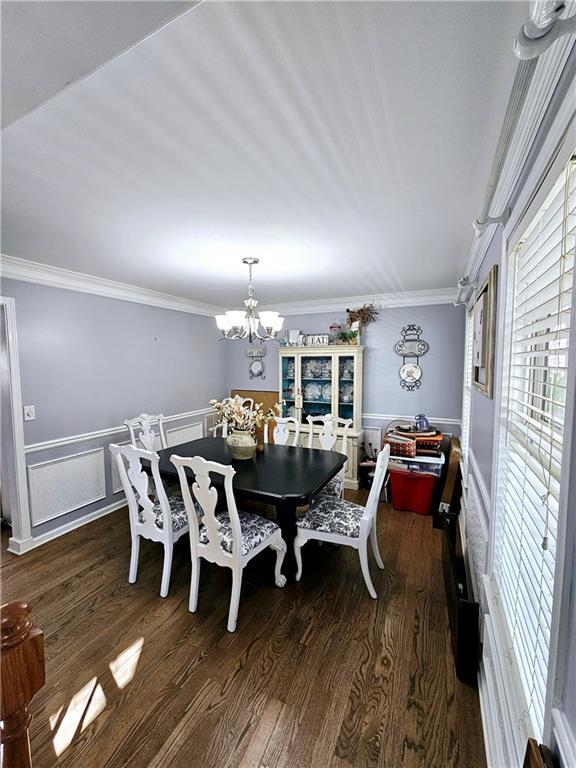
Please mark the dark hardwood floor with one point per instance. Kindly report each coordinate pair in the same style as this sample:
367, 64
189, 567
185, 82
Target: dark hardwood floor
317, 675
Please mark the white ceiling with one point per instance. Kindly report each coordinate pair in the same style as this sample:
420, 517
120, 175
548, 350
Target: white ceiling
49, 44
347, 144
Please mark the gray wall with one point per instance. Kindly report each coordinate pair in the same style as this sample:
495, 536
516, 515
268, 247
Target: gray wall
441, 391
88, 362
482, 407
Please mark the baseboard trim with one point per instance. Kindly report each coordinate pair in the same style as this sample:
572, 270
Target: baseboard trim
20, 547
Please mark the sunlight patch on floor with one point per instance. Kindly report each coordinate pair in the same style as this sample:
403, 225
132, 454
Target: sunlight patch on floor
123, 668
84, 708
90, 700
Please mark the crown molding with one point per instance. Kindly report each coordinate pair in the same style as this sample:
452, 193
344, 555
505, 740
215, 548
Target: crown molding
385, 300
14, 268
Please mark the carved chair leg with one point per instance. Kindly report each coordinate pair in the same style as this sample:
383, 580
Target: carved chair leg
363, 552
234, 599
194, 584
166, 570
280, 547
298, 544
375, 550
133, 575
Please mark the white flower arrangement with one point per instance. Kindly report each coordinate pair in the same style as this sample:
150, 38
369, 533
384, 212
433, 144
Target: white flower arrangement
240, 417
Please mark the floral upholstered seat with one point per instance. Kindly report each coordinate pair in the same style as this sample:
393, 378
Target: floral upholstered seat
254, 530
179, 517
333, 488
329, 514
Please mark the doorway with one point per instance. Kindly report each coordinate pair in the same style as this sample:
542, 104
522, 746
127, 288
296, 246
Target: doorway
13, 485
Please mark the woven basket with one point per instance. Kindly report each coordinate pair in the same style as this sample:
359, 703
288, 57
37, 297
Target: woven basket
406, 449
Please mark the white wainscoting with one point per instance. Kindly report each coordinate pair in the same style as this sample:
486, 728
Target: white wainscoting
476, 526
62, 485
178, 435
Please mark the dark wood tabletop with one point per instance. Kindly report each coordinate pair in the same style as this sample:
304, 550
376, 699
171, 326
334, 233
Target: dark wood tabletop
279, 475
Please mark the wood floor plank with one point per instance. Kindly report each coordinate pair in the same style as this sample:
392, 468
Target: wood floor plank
317, 675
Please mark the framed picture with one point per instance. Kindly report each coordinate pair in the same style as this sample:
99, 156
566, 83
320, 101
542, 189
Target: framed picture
485, 335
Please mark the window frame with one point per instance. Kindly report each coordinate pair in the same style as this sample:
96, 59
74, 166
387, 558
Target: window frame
566, 530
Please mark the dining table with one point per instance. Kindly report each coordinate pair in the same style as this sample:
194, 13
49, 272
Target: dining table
286, 477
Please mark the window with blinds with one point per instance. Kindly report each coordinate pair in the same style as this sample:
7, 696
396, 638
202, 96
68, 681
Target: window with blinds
536, 344
467, 393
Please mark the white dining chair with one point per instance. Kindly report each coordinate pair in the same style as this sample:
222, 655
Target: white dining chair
246, 402
343, 522
328, 439
142, 434
231, 538
281, 433
221, 427
161, 518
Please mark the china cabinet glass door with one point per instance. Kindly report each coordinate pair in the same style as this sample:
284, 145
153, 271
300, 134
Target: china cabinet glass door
346, 383
289, 386
316, 385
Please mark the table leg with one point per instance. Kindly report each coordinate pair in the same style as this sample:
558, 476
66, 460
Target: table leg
286, 519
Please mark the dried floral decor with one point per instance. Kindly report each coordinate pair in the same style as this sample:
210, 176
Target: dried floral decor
240, 417
364, 315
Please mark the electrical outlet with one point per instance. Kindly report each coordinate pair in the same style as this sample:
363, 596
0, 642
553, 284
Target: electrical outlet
29, 412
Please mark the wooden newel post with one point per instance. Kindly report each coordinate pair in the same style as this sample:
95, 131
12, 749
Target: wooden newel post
22, 673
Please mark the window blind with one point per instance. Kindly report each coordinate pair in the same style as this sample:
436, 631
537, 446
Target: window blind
532, 416
467, 394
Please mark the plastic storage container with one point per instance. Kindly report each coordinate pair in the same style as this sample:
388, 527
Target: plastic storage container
412, 491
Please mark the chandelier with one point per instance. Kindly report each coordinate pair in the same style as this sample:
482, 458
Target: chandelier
244, 324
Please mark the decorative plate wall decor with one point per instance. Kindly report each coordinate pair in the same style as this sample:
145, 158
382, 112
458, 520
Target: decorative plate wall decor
411, 347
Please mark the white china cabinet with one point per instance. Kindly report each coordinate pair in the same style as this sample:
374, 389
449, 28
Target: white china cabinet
316, 381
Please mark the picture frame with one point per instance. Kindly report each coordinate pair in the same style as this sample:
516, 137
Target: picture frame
484, 342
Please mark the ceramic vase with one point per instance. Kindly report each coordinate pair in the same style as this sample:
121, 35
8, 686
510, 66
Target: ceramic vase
241, 445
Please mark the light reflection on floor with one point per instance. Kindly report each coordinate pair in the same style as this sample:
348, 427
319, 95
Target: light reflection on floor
90, 700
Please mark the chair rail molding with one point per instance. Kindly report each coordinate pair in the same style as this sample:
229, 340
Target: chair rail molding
86, 437
14, 268
394, 416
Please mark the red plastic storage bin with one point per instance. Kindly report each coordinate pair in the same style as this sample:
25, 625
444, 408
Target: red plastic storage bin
412, 491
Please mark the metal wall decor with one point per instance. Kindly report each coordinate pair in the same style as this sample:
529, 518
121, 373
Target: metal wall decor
411, 347
256, 368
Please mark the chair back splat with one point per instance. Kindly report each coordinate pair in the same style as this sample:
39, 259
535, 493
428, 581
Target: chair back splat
146, 437
282, 432
207, 497
377, 482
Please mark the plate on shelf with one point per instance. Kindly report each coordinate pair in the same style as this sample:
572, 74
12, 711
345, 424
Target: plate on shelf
346, 393
290, 369
326, 368
327, 392
312, 391
291, 411
290, 391
346, 369
311, 369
